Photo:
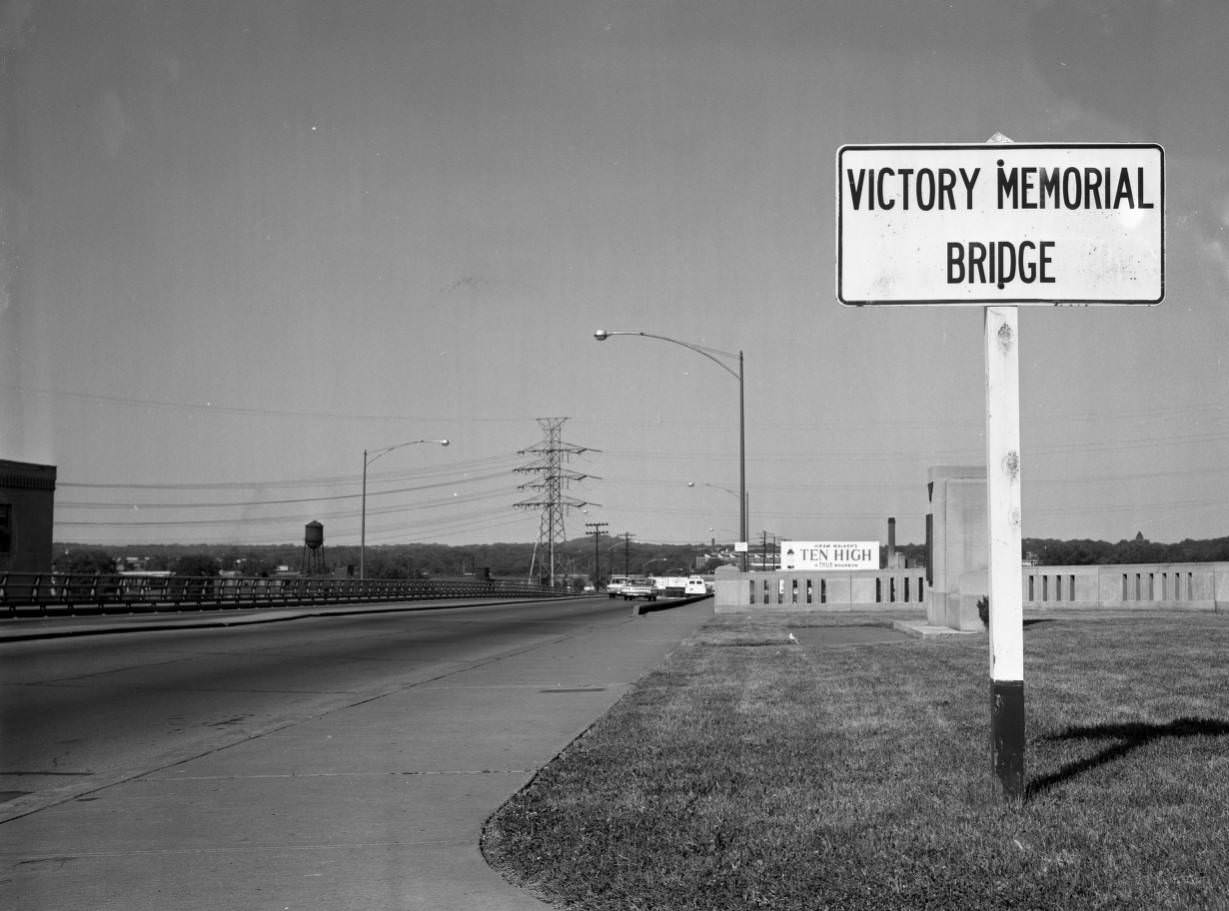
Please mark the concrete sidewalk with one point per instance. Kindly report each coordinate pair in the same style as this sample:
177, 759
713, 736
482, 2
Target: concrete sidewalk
376, 806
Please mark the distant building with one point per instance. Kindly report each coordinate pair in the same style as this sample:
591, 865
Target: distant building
27, 503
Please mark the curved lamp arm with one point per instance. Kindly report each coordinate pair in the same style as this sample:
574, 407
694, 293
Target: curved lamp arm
713, 354
367, 460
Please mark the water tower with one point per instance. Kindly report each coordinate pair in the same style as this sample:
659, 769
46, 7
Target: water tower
313, 549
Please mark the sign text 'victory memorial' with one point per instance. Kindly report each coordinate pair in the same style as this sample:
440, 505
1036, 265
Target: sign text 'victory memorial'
1003, 223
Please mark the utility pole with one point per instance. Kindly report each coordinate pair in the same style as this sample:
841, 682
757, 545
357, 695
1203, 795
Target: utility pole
551, 480
597, 553
627, 553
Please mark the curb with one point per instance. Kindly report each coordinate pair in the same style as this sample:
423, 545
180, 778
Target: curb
126, 623
640, 608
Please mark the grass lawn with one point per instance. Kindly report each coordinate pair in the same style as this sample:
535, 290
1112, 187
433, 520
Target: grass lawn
753, 770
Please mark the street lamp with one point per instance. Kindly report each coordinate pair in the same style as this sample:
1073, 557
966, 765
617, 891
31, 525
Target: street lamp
733, 493
367, 460
716, 356
648, 563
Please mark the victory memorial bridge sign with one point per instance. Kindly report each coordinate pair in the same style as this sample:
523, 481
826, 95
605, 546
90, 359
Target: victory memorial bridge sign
1011, 223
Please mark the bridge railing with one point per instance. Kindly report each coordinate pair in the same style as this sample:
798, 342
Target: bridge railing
883, 589
54, 594
1178, 586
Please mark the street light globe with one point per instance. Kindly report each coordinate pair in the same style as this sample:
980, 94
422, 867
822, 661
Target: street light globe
601, 335
443, 442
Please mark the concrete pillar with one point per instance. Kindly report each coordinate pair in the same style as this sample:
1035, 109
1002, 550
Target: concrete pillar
958, 552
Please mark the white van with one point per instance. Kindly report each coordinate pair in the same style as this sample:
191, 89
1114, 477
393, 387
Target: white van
695, 586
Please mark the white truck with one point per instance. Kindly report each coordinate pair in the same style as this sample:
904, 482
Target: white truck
681, 586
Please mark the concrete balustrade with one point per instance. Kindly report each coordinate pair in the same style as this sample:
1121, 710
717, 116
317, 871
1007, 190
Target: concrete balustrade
1172, 586
1180, 586
820, 591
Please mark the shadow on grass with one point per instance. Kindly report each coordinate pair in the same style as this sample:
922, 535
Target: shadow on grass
1130, 736
1026, 623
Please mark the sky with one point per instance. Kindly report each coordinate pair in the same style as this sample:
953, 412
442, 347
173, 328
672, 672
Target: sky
244, 247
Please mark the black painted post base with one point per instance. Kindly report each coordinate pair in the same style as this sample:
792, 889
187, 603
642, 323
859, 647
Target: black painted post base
1007, 735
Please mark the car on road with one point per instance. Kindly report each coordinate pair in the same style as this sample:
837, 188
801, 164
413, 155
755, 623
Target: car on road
614, 587
639, 588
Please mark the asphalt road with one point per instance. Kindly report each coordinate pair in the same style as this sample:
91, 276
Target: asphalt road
78, 713
322, 762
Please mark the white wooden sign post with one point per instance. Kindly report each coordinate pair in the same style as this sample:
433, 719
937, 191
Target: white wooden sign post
995, 225
1005, 575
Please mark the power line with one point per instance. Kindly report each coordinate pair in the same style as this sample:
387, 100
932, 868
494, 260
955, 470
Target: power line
249, 503
271, 520
325, 481
209, 406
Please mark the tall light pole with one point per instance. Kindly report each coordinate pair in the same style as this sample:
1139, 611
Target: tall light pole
716, 356
367, 460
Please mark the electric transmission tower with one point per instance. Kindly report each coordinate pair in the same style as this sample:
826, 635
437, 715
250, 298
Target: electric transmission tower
551, 479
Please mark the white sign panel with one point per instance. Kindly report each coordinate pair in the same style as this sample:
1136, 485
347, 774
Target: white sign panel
1011, 223
819, 555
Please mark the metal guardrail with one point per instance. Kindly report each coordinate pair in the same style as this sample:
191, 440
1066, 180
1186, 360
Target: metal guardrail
60, 594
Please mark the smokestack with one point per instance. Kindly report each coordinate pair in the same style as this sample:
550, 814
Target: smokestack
891, 542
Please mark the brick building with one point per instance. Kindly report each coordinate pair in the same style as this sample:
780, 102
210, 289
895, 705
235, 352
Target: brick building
27, 502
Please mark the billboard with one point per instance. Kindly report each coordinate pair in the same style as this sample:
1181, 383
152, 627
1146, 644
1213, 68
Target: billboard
829, 555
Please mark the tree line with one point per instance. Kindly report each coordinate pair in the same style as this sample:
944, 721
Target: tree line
1083, 552
573, 558
394, 561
